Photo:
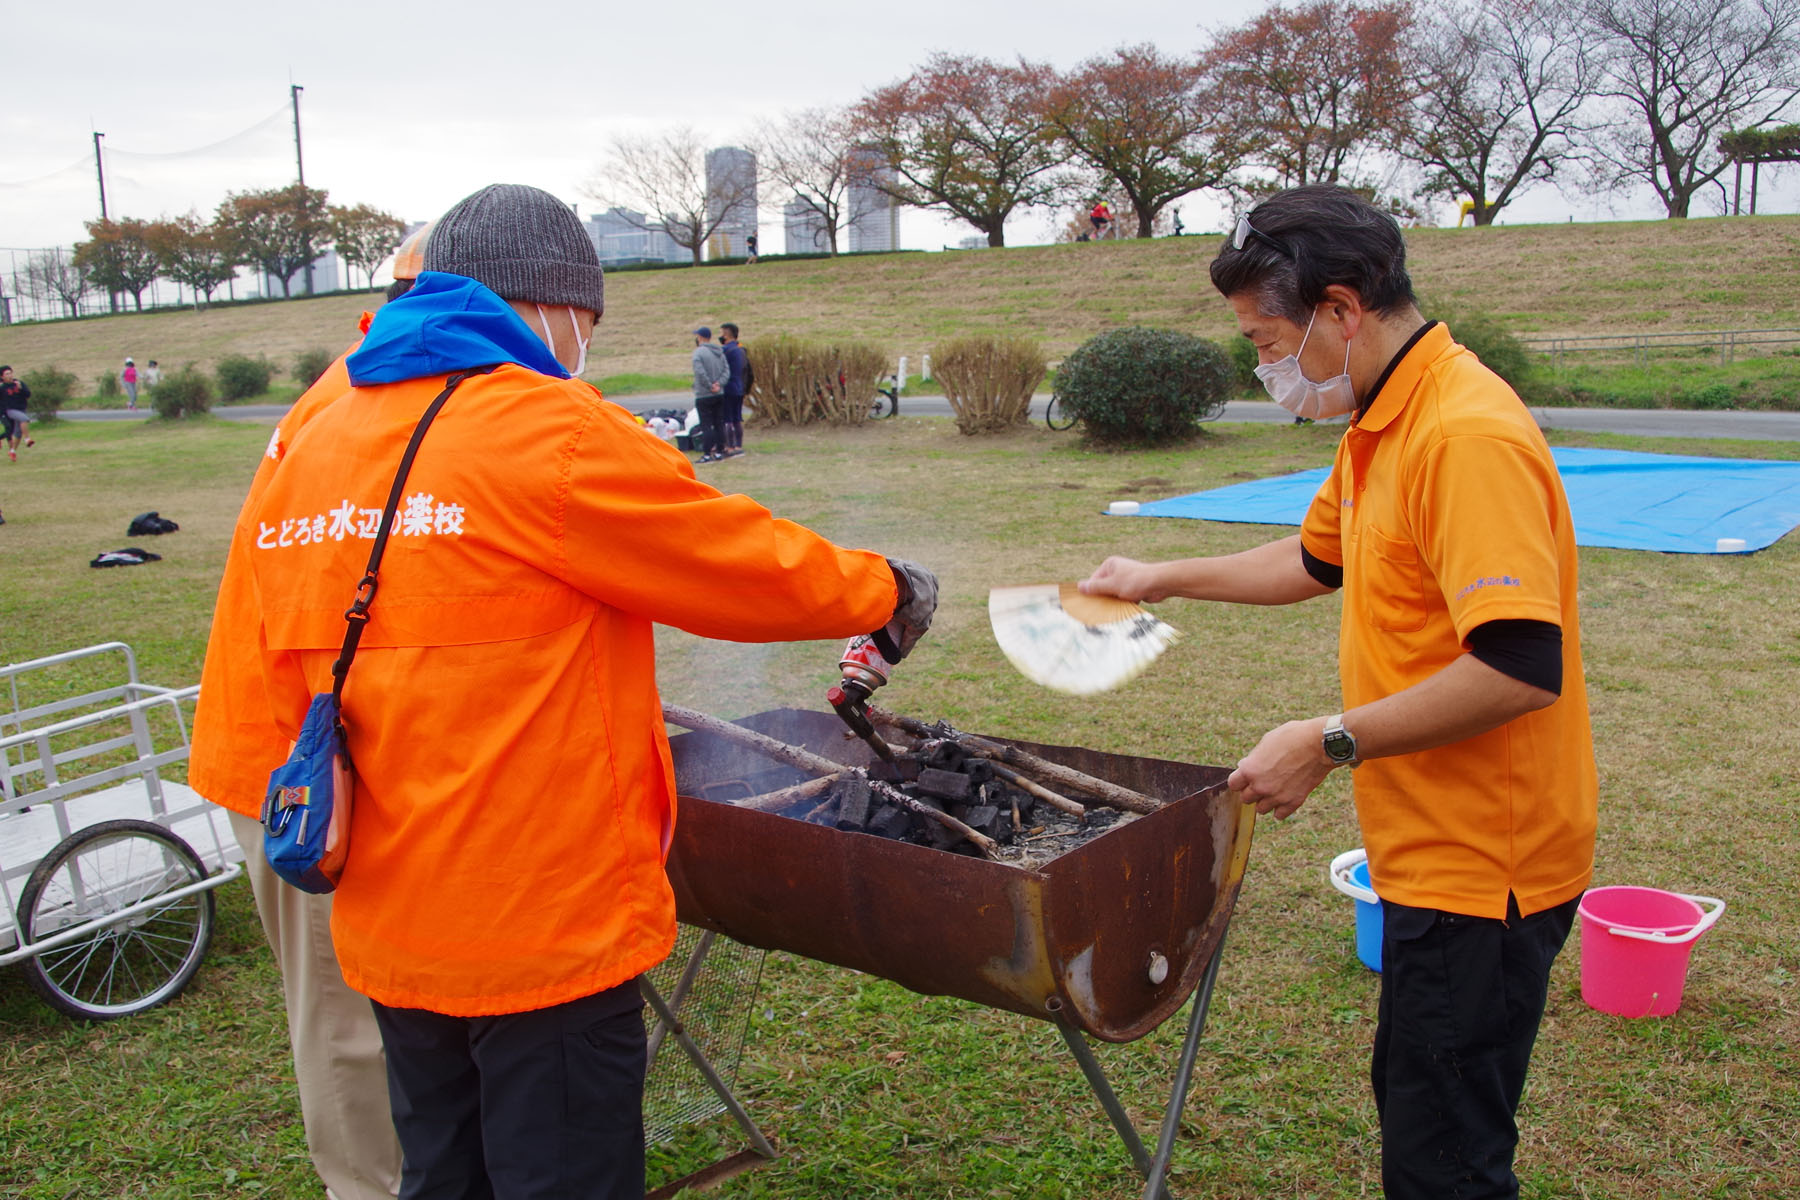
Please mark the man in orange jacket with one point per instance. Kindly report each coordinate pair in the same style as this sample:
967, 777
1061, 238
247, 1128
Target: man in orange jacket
515, 798
339, 1069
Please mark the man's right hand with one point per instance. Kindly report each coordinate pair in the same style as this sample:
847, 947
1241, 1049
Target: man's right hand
1128, 579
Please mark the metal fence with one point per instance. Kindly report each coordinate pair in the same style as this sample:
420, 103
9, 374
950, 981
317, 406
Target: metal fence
1729, 344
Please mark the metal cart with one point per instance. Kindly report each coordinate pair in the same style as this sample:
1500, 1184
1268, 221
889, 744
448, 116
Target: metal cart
106, 868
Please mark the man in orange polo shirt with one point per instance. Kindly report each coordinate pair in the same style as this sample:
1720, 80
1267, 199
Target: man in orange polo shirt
1445, 525
515, 794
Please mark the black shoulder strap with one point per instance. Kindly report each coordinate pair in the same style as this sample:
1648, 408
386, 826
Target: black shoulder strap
357, 615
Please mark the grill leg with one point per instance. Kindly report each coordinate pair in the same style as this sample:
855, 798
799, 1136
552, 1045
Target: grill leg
1154, 1170
679, 1031
684, 985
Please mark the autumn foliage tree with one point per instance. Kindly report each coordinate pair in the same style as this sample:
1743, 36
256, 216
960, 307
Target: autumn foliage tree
1502, 89
117, 258
1149, 124
966, 136
364, 235
193, 252
276, 230
1316, 87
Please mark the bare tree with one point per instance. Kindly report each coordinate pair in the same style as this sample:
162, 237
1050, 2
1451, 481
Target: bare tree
52, 276
1149, 124
1502, 85
815, 157
1314, 88
1685, 72
665, 175
966, 136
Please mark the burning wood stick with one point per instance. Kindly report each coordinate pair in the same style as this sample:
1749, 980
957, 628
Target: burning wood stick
806, 760
1110, 794
782, 797
1054, 799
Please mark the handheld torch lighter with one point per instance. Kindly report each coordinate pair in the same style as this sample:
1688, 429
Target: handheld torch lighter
864, 669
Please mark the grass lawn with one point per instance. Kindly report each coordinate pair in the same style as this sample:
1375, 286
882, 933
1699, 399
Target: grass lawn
873, 1091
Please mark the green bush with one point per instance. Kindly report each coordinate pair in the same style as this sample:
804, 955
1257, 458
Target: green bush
1242, 353
50, 390
1493, 343
1142, 386
241, 377
989, 380
182, 392
310, 364
106, 385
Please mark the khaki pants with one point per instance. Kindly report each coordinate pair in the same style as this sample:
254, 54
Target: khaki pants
338, 1062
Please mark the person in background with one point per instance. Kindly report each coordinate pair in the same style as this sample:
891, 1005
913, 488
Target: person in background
503, 968
128, 379
13, 413
152, 375
737, 386
1465, 717
711, 373
340, 1071
1100, 219
750, 244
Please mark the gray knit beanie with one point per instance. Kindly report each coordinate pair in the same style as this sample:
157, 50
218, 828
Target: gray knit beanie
523, 243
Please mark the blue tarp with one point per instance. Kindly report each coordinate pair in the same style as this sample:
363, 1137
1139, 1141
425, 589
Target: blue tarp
1619, 498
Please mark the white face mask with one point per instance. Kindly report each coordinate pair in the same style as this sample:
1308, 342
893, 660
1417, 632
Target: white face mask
580, 342
1289, 387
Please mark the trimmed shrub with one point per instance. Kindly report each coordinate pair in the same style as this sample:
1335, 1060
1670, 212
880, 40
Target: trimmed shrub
1144, 387
989, 380
182, 392
1493, 343
1242, 354
241, 377
50, 390
310, 364
798, 382
106, 385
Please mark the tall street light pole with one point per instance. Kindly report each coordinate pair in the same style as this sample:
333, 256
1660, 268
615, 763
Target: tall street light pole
294, 91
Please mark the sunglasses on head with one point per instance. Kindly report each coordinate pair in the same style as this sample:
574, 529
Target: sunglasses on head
1246, 231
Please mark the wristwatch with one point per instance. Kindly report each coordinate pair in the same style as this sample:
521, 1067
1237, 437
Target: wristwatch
1340, 743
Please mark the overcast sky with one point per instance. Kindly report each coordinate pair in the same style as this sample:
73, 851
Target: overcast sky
411, 107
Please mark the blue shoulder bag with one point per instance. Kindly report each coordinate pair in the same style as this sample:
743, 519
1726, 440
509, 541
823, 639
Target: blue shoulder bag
306, 811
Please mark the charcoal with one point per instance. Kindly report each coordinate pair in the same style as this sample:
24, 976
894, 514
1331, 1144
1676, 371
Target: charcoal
945, 755
979, 770
985, 818
852, 804
904, 770
890, 822
947, 784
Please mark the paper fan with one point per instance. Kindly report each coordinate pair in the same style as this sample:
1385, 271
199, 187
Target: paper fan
1072, 642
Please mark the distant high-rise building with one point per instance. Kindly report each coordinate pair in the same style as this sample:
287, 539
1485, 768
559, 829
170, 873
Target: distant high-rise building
730, 185
622, 236
873, 216
805, 228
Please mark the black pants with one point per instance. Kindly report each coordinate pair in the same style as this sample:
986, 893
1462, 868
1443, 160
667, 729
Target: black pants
1461, 1000
731, 417
544, 1105
712, 423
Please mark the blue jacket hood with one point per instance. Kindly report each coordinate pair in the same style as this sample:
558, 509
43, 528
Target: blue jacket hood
447, 323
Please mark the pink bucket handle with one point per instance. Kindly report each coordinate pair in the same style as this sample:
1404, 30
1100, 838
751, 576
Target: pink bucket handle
1706, 922
1339, 874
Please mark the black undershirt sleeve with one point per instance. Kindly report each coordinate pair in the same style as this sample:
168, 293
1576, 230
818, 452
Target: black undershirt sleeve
1327, 574
1528, 651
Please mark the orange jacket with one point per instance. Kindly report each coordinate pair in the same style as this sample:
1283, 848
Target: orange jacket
235, 743
515, 792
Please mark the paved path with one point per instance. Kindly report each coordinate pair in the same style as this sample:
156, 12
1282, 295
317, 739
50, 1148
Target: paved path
1656, 422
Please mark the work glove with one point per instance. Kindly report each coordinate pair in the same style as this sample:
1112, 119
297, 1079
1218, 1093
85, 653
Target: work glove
918, 592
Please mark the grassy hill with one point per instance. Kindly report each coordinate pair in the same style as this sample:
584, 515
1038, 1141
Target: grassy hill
1718, 273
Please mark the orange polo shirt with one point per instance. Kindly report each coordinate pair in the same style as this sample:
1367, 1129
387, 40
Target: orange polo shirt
1445, 510
515, 794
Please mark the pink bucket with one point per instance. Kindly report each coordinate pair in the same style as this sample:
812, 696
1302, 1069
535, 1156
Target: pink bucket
1635, 943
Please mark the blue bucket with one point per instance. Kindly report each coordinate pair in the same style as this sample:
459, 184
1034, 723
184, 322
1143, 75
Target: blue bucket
1350, 875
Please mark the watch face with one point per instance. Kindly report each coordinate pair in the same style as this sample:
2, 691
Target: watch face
1340, 746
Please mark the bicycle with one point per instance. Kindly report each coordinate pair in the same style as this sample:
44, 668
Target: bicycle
1057, 415
887, 399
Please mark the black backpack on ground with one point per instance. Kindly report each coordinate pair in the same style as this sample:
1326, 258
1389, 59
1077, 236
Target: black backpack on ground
148, 523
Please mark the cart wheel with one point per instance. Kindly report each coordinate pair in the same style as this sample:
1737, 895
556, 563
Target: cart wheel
1057, 414
138, 963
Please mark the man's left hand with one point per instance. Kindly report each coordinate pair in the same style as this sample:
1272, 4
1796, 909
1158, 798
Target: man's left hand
1284, 768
